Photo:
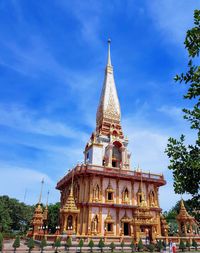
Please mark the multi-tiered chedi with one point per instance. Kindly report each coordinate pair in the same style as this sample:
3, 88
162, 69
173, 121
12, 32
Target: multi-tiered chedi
112, 199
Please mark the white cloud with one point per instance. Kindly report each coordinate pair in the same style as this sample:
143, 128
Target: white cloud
173, 17
25, 183
28, 120
172, 111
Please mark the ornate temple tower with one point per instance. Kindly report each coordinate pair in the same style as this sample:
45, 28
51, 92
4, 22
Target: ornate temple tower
107, 145
110, 199
187, 224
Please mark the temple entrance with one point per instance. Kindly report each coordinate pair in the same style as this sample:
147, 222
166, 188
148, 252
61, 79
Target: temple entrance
126, 228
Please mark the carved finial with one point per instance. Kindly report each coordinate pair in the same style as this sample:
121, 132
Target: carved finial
40, 198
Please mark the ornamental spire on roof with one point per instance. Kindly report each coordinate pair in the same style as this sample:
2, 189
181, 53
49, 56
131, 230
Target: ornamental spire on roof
109, 107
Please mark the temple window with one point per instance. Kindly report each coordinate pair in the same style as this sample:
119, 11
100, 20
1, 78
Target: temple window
109, 227
109, 193
110, 196
109, 224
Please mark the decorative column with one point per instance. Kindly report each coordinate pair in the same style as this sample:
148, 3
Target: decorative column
117, 191
110, 150
132, 192
117, 222
123, 149
101, 190
100, 221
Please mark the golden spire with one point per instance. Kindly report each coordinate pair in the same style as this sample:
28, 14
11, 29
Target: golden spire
70, 205
45, 213
183, 214
40, 198
109, 107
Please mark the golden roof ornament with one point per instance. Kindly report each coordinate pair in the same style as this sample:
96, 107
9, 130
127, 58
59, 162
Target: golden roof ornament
45, 213
183, 214
70, 206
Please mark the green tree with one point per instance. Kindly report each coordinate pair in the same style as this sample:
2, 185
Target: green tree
16, 243
132, 246
80, 244
182, 245
194, 244
57, 244
91, 245
101, 244
68, 243
122, 245
53, 216
188, 245
185, 159
112, 246
43, 244
14, 215
140, 245
30, 244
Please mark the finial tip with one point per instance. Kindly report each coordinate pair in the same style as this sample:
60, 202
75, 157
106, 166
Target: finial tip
109, 41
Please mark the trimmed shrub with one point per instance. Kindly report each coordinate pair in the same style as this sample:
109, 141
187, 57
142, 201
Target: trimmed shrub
140, 246
43, 244
101, 244
159, 246
80, 244
91, 245
16, 243
151, 247
132, 246
30, 244
194, 244
188, 245
57, 244
182, 245
68, 243
112, 246
122, 246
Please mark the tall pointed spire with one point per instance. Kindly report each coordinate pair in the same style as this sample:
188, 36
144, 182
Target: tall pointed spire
109, 107
40, 198
109, 58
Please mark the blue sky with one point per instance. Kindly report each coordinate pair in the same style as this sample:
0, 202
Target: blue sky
52, 60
